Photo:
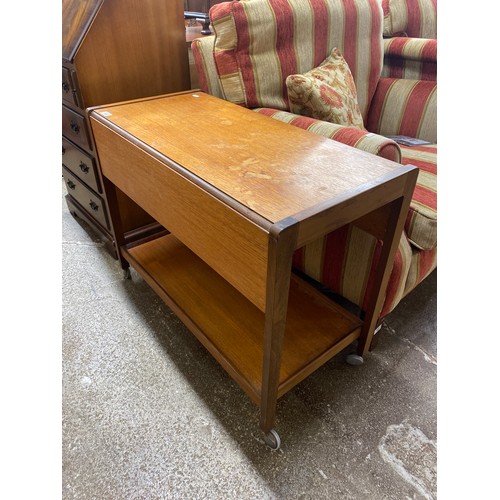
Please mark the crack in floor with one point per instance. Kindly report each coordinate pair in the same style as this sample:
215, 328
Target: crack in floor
412, 455
427, 356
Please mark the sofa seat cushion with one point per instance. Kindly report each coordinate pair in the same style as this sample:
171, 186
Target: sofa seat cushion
421, 222
327, 92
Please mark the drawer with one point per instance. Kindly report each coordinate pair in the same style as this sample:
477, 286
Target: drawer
75, 128
91, 202
80, 164
68, 87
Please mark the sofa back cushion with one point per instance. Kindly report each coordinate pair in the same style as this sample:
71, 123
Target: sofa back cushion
258, 43
412, 18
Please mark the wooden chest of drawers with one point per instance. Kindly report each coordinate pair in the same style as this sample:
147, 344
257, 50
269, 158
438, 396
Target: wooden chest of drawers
112, 52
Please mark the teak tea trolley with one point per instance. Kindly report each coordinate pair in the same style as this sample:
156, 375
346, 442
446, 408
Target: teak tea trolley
237, 194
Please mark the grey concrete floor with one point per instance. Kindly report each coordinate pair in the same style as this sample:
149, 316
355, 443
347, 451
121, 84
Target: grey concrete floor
149, 414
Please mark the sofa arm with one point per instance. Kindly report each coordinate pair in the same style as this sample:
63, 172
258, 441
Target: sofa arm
203, 55
410, 58
404, 107
352, 136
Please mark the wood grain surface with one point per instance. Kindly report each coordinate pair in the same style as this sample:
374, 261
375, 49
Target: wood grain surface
133, 49
232, 328
275, 169
234, 246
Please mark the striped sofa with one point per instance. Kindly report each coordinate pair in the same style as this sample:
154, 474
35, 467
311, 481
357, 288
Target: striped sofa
410, 18
258, 43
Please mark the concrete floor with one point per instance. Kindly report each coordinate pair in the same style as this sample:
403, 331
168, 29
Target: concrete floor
149, 414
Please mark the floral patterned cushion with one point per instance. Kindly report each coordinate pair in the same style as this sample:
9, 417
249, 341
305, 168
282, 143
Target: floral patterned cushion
326, 93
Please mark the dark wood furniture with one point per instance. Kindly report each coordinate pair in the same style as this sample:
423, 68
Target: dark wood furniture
197, 10
239, 193
200, 17
113, 51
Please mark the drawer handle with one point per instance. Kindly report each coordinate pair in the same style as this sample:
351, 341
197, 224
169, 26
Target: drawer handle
94, 206
74, 127
71, 184
65, 87
84, 168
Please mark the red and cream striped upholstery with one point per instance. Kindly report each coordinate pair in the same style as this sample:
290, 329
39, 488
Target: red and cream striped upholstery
344, 261
411, 267
412, 58
258, 43
412, 105
421, 223
203, 55
352, 136
412, 18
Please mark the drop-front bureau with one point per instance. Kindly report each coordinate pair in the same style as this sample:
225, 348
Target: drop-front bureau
113, 51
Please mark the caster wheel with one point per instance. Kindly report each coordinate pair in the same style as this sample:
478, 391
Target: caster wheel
126, 274
272, 439
354, 360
